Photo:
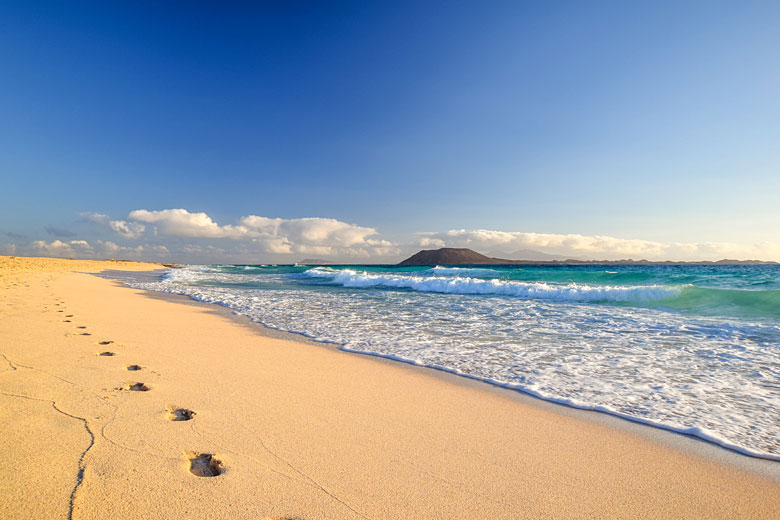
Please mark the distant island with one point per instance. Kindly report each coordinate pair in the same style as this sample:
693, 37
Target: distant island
464, 256
315, 261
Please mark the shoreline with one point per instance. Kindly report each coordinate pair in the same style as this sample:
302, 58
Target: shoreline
298, 431
689, 443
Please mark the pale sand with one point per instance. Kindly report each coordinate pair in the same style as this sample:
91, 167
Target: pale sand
300, 430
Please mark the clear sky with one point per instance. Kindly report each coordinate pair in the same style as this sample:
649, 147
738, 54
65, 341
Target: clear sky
273, 131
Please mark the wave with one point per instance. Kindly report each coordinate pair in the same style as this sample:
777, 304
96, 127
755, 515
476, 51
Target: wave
469, 285
733, 302
709, 378
705, 434
701, 300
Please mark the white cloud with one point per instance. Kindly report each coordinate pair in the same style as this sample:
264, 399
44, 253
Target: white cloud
182, 223
124, 228
82, 249
426, 241
98, 218
322, 236
57, 248
127, 229
595, 247
112, 249
255, 237
314, 236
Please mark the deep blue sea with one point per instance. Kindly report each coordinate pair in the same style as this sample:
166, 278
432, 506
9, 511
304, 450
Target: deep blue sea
695, 349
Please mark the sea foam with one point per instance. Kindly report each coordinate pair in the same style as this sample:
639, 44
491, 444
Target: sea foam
470, 285
598, 347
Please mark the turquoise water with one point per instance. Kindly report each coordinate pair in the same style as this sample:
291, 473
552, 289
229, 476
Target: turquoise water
695, 349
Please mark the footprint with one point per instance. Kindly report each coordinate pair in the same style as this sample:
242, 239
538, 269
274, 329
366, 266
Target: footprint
178, 414
85, 334
106, 353
66, 321
204, 464
133, 368
134, 387
105, 342
67, 315
81, 327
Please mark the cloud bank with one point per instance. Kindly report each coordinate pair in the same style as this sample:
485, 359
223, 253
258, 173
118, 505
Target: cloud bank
321, 236
126, 229
101, 249
195, 237
594, 247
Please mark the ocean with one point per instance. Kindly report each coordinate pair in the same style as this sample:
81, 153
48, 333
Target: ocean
693, 349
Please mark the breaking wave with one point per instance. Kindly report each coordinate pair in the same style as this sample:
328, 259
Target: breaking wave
470, 285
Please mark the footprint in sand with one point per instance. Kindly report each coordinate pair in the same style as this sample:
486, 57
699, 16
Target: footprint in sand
66, 321
81, 327
204, 464
108, 342
106, 353
134, 387
178, 414
133, 368
68, 315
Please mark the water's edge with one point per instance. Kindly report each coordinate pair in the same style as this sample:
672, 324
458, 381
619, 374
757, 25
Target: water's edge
683, 440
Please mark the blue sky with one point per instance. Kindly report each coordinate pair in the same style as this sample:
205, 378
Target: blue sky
365, 130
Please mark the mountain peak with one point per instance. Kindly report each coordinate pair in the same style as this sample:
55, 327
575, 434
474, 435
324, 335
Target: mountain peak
450, 256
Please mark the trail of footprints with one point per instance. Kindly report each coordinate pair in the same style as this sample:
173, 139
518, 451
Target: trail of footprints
201, 464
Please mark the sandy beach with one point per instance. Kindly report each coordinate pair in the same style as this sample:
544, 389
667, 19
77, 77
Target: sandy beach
92, 372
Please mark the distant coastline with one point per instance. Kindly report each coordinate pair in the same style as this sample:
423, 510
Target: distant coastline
464, 256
